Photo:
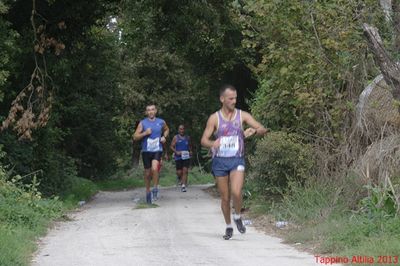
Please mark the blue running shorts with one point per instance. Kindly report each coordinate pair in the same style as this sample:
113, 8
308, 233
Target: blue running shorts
222, 166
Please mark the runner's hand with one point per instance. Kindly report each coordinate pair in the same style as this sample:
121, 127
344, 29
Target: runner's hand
148, 131
163, 140
249, 132
216, 143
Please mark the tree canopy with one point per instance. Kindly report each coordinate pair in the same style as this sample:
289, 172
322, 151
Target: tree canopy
75, 76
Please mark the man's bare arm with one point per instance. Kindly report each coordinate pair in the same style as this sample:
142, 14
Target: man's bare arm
173, 143
190, 146
165, 133
208, 131
138, 135
255, 127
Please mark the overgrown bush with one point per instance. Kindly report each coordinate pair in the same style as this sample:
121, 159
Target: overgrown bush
280, 158
24, 206
42, 156
24, 215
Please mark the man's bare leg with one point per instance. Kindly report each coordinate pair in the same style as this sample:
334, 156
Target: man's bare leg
154, 171
147, 179
184, 178
237, 179
179, 175
223, 187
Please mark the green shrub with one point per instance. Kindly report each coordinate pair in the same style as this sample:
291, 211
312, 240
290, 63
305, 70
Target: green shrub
81, 189
24, 206
280, 158
379, 202
24, 215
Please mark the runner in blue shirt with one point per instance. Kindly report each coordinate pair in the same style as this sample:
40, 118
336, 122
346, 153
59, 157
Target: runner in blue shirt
182, 148
153, 132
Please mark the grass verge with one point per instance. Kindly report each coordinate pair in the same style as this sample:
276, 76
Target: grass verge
320, 222
24, 216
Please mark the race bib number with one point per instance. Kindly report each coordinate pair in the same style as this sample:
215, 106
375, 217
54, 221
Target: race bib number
185, 155
153, 144
229, 146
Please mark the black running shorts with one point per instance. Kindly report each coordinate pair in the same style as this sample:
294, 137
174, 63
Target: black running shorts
182, 163
148, 157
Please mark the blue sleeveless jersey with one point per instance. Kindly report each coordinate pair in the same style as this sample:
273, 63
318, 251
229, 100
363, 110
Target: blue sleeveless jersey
151, 143
182, 144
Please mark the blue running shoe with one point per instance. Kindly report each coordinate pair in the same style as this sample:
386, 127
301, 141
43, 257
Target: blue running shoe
148, 197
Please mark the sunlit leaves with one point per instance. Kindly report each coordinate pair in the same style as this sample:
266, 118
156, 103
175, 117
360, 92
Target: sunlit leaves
303, 54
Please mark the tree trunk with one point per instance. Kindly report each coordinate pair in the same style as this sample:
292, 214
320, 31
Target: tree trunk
388, 67
387, 9
396, 24
135, 153
136, 148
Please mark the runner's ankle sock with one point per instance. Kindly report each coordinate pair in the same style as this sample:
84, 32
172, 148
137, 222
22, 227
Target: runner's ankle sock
229, 226
236, 216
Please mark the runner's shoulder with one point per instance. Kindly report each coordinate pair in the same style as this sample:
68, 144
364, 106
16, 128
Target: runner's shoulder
213, 120
244, 114
160, 120
214, 117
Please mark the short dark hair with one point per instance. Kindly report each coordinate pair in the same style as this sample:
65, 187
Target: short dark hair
151, 104
226, 87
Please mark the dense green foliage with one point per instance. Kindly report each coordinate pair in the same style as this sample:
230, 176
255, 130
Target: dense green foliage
176, 54
309, 59
299, 66
103, 67
311, 62
80, 137
7, 49
23, 216
278, 160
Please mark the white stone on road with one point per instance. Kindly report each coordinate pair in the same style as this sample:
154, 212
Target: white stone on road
186, 229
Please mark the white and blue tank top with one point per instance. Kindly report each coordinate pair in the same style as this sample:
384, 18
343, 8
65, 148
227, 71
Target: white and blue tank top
151, 143
182, 145
231, 136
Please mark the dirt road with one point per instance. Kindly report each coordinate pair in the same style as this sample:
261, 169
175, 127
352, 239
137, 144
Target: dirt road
186, 229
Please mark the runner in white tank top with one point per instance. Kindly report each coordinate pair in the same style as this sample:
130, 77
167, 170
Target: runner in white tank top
228, 162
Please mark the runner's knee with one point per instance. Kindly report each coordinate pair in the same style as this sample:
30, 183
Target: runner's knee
225, 200
236, 193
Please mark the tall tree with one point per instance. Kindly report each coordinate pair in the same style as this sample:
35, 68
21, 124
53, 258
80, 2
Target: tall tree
80, 134
309, 58
177, 54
